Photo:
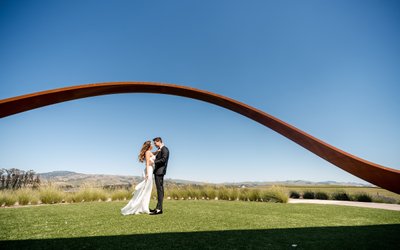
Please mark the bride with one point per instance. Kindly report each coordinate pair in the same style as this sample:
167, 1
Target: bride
141, 196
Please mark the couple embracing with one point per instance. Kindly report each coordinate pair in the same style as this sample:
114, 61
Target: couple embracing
155, 163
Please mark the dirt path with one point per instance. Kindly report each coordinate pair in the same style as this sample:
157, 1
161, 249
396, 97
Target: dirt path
395, 207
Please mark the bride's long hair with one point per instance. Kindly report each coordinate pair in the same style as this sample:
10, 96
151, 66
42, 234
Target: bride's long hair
145, 147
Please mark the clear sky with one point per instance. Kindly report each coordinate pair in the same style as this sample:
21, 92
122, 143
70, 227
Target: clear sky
330, 68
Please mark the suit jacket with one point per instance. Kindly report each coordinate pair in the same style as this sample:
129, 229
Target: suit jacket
161, 161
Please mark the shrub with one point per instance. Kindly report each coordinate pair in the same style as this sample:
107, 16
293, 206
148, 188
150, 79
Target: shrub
340, 196
2, 198
321, 196
274, 194
34, 198
121, 194
172, 192
210, 192
50, 194
7, 198
294, 194
363, 197
193, 192
308, 195
243, 194
383, 199
223, 193
183, 193
74, 197
69, 197
202, 192
22, 197
91, 194
26, 196
254, 194
233, 194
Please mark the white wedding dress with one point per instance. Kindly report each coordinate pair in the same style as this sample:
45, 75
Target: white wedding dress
141, 196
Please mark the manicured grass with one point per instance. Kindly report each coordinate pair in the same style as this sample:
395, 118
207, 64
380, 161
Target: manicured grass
199, 224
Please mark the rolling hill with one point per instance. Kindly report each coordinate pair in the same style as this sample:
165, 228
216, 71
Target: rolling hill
73, 179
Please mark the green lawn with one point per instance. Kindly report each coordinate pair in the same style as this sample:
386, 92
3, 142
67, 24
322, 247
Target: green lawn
200, 224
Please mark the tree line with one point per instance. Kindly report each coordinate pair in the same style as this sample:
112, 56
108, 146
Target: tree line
15, 178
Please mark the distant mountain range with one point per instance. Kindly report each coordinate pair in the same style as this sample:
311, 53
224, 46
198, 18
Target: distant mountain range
73, 179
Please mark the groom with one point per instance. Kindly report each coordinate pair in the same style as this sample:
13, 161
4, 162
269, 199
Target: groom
160, 170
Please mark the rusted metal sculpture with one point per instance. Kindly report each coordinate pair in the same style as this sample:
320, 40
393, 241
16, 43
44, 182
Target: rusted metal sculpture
381, 176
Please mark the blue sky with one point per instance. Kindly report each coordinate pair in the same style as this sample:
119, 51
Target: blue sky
330, 68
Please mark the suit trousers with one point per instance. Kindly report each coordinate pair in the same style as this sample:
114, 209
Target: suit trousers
159, 179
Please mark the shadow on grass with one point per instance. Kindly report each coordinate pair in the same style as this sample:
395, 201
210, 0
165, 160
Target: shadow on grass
354, 237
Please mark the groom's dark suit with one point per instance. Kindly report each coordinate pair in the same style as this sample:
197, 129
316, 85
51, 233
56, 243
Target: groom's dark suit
160, 169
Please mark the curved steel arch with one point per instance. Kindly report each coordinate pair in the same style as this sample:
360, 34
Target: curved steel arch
381, 176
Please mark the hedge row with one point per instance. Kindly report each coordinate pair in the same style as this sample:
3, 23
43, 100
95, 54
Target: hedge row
342, 196
51, 194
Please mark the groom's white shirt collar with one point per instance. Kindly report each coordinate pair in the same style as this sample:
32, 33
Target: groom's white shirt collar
162, 145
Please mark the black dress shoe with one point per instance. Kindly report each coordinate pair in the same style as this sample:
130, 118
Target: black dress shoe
156, 212
152, 210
